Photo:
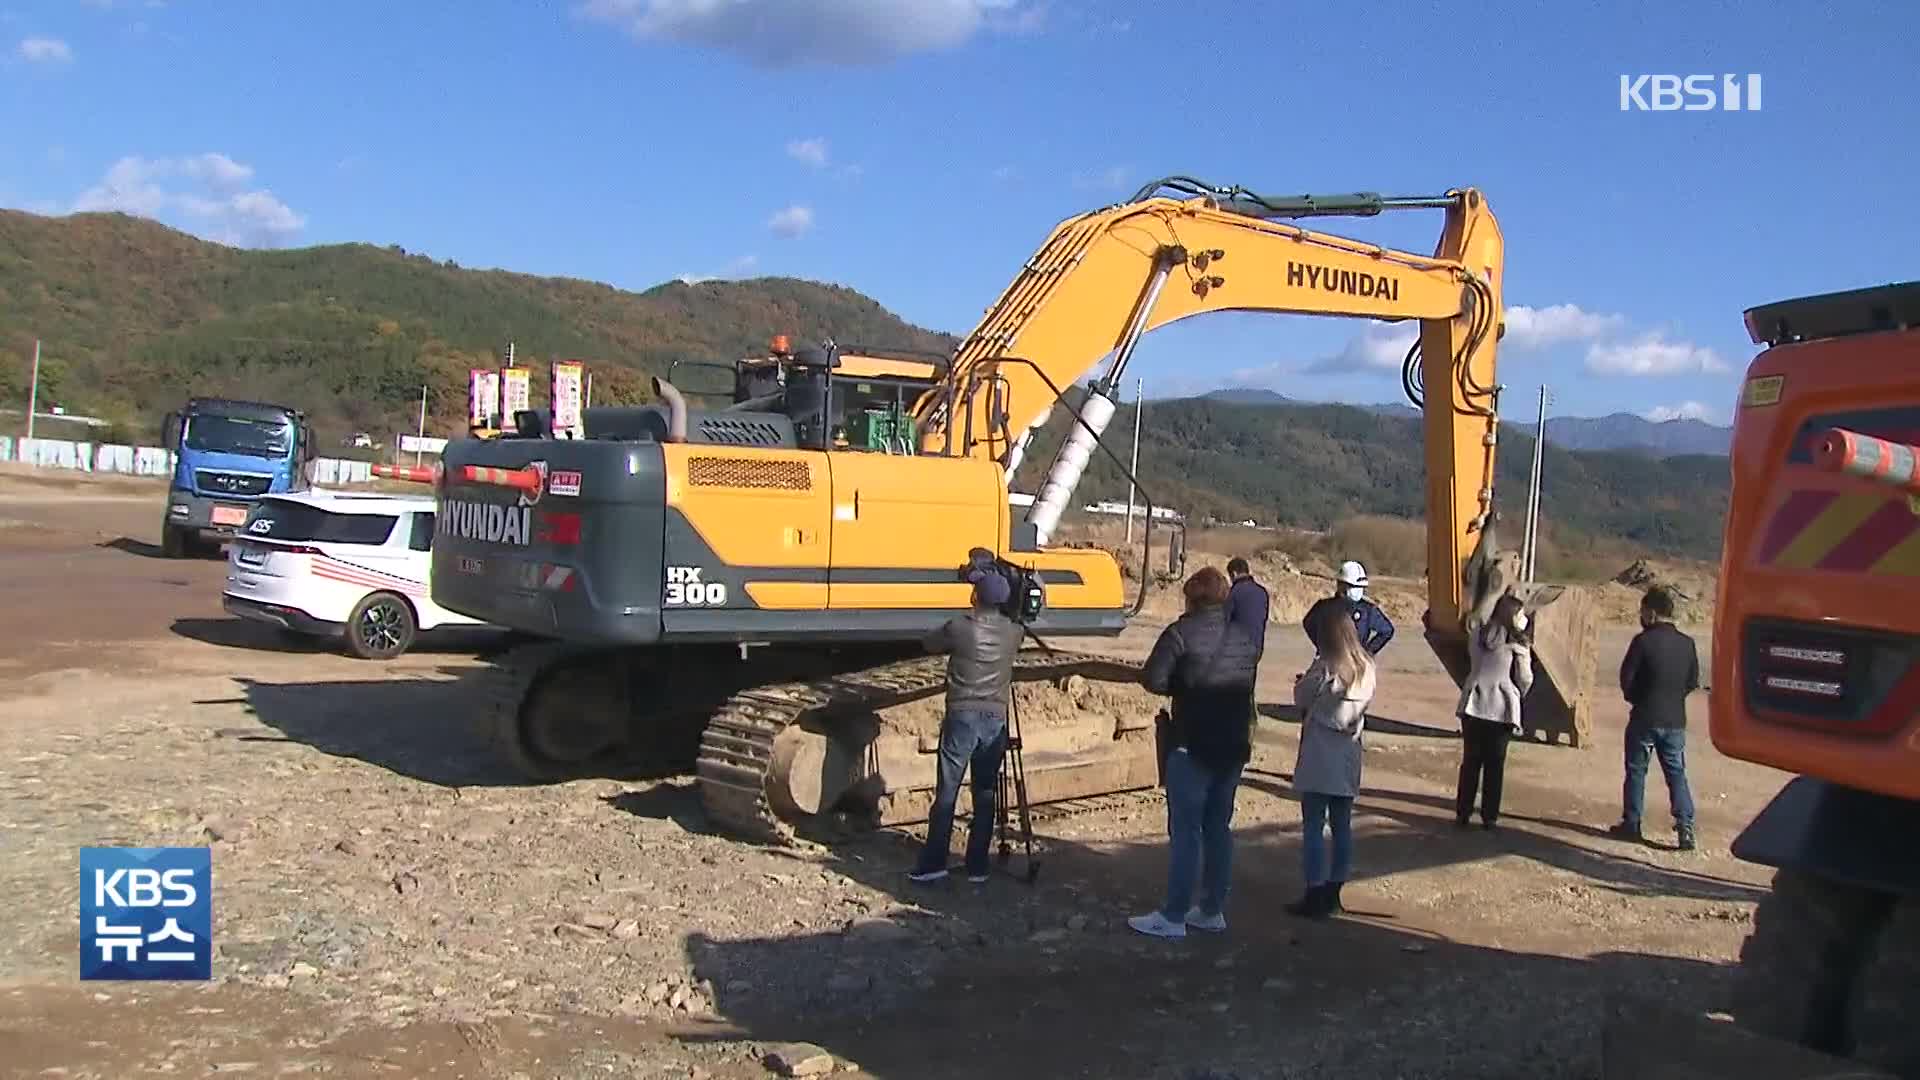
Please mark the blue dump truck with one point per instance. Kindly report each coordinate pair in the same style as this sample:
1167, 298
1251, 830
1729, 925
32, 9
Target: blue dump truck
227, 455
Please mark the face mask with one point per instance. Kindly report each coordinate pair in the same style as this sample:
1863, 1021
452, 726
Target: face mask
1519, 620
1356, 593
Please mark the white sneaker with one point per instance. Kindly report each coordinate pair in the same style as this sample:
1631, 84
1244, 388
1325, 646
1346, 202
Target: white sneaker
1157, 925
1214, 924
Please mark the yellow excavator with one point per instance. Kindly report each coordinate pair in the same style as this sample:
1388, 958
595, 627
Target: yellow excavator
744, 588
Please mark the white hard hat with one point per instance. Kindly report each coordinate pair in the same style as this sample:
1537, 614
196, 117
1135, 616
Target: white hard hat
1352, 573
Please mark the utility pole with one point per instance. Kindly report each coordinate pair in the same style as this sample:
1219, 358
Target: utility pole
423, 426
1133, 470
1530, 546
33, 391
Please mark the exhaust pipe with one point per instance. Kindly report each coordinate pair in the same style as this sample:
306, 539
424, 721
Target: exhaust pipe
676, 409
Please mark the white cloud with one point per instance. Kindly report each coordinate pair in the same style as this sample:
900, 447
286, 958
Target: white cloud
207, 194
1686, 410
1380, 347
45, 50
1652, 355
1531, 327
810, 152
734, 269
1112, 178
792, 222
798, 33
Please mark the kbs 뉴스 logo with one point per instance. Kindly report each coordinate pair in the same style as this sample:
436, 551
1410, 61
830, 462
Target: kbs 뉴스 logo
146, 913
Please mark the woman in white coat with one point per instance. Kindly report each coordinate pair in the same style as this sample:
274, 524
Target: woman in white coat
1499, 675
1332, 696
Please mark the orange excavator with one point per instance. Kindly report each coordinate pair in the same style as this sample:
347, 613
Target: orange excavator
1816, 671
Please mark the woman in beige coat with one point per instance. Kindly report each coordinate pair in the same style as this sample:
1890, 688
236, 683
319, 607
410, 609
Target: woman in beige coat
1500, 655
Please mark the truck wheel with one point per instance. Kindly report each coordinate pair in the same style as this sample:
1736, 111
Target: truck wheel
1836, 969
381, 627
173, 542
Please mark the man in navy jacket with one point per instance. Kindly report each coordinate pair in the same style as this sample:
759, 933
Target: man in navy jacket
1350, 592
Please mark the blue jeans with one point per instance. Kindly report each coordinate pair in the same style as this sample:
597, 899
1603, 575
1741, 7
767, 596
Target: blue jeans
1671, 746
1199, 811
979, 739
1317, 812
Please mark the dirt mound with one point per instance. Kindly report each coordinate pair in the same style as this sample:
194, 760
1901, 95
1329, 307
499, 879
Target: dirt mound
1066, 702
1692, 588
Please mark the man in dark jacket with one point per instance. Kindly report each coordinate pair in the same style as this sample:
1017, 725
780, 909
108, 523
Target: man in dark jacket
982, 645
1206, 664
1247, 602
1350, 594
1661, 668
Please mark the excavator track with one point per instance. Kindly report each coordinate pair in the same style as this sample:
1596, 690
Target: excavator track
737, 750
516, 675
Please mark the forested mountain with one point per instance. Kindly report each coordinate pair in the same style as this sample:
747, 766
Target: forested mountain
1312, 465
1616, 431
134, 316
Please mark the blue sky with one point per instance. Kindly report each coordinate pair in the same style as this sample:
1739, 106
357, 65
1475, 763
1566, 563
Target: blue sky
918, 150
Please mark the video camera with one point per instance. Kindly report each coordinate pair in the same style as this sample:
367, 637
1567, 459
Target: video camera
1026, 594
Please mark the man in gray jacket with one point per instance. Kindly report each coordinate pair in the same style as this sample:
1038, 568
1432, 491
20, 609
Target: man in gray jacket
981, 645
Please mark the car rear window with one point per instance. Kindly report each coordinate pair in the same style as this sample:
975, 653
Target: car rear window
299, 521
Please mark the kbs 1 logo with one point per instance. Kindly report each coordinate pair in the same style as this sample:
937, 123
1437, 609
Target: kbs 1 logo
1689, 93
146, 913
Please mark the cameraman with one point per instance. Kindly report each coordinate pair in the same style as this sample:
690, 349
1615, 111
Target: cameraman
981, 644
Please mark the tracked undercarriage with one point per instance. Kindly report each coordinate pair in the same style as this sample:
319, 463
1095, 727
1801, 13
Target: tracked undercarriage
780, 740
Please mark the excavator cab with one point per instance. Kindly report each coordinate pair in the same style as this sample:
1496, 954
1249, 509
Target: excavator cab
839, 399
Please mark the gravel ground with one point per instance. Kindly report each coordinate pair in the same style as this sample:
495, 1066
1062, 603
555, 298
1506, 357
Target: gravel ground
389, 902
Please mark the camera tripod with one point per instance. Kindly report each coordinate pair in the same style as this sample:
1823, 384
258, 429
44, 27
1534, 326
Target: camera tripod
1013, 781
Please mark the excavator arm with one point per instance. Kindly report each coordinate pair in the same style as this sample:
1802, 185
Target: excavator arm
1104, 279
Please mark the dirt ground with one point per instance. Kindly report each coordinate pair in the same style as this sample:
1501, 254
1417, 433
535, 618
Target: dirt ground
390, 902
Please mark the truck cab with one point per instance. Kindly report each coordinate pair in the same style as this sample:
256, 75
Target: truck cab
227, 454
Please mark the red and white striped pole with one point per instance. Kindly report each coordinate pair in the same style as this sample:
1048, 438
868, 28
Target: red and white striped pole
411, 473
1849, 452
527, 480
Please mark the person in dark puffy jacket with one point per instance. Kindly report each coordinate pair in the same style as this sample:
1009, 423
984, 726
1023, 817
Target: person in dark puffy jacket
981, 646
1206, 664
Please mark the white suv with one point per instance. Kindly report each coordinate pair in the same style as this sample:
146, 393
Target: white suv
340, 565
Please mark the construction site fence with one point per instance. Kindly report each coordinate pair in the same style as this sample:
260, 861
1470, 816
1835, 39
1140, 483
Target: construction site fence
147, 460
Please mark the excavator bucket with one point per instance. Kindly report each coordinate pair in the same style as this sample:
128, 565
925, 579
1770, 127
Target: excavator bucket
1565, 629
1564, 634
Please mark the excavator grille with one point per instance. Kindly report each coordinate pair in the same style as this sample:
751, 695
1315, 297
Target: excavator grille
739, 431
747, 473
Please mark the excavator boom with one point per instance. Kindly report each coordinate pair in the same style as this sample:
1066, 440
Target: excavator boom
1104, 279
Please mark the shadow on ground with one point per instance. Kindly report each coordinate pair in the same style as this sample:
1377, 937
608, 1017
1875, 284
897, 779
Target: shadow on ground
1376, 723
1414, 845
1046, 980
207, 551
238, 633
424, 729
